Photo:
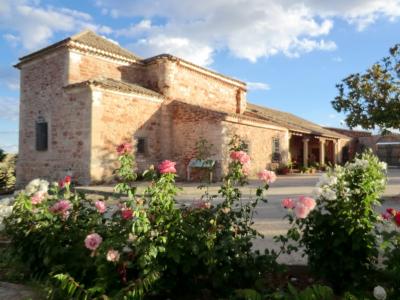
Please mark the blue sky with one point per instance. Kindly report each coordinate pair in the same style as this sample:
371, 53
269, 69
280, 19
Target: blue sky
291, 53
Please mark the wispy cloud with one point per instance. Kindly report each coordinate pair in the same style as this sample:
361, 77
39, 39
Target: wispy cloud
261, 29
33, 25
258, 86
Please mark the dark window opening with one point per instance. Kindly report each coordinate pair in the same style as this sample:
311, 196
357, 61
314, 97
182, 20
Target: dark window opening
41, 136
276, 151
141, 146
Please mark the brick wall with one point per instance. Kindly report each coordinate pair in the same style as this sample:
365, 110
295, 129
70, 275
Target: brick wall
67, 116
180, 82
121, 117
259, 140
189, 124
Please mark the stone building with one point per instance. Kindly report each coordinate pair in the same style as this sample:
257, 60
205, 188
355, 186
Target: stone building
84, 95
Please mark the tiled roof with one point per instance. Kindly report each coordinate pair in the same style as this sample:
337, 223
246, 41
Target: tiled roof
290, 121
175, 58
91, 39
116, 85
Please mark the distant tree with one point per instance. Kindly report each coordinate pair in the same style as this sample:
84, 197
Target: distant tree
373, 98
2, 155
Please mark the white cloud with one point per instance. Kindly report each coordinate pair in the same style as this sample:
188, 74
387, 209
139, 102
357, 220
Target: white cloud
181, 47
249, 29
9, 108
258, 86
33, 26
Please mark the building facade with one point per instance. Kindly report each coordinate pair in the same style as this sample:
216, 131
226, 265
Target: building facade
84, 95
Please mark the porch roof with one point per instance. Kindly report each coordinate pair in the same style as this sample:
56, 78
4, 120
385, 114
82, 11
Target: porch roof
116, 85
290, 121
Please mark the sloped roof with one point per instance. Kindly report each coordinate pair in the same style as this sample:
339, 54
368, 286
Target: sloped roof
116, 85
91, 39
290, 121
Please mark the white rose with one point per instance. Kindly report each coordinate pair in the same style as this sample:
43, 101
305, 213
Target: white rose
329, 194
379, 293
5, 211
317, 192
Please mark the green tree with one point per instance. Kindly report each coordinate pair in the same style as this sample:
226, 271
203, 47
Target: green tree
2, 155
373, 98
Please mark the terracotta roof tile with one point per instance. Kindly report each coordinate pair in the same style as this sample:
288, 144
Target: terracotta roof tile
116, 85
290, 121
88, 38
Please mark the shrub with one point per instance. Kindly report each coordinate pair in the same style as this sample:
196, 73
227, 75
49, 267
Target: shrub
391, 245
7, 174
145, 245
338, 235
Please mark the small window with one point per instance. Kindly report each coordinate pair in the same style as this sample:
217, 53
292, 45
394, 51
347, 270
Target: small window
141, 145
276, 151
41, 135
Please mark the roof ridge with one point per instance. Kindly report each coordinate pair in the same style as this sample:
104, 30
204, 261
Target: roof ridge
77, 35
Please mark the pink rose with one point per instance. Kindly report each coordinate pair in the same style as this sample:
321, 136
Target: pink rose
93, 241
100, 206
62, 208
126, 213
301, 210
267, 176
387, 216
240, 156
246, 169
308, 202
113, 255
124, 148
38, 197
202, 204
288, 203
167, 166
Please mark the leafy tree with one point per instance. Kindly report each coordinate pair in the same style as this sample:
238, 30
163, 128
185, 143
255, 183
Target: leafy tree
2, 155
373, 98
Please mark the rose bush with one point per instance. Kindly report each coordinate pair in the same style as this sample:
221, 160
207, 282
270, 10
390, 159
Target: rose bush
143, 245
337, 232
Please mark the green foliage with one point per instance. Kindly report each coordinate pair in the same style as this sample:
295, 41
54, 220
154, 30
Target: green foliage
372, 98
2, 155
339, 235
7, 173
126, 174
204, 149
162, 249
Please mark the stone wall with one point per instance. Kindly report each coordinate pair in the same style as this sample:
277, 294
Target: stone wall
117, 118
189, 124
259, 139
42, 95
176, 80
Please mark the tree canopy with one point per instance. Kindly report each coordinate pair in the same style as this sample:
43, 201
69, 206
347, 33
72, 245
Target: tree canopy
372, 99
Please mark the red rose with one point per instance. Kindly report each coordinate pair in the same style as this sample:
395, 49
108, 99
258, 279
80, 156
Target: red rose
124, 148
391, 211
127, 213
397, 219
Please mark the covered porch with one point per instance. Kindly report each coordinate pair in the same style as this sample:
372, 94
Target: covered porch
307, 150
